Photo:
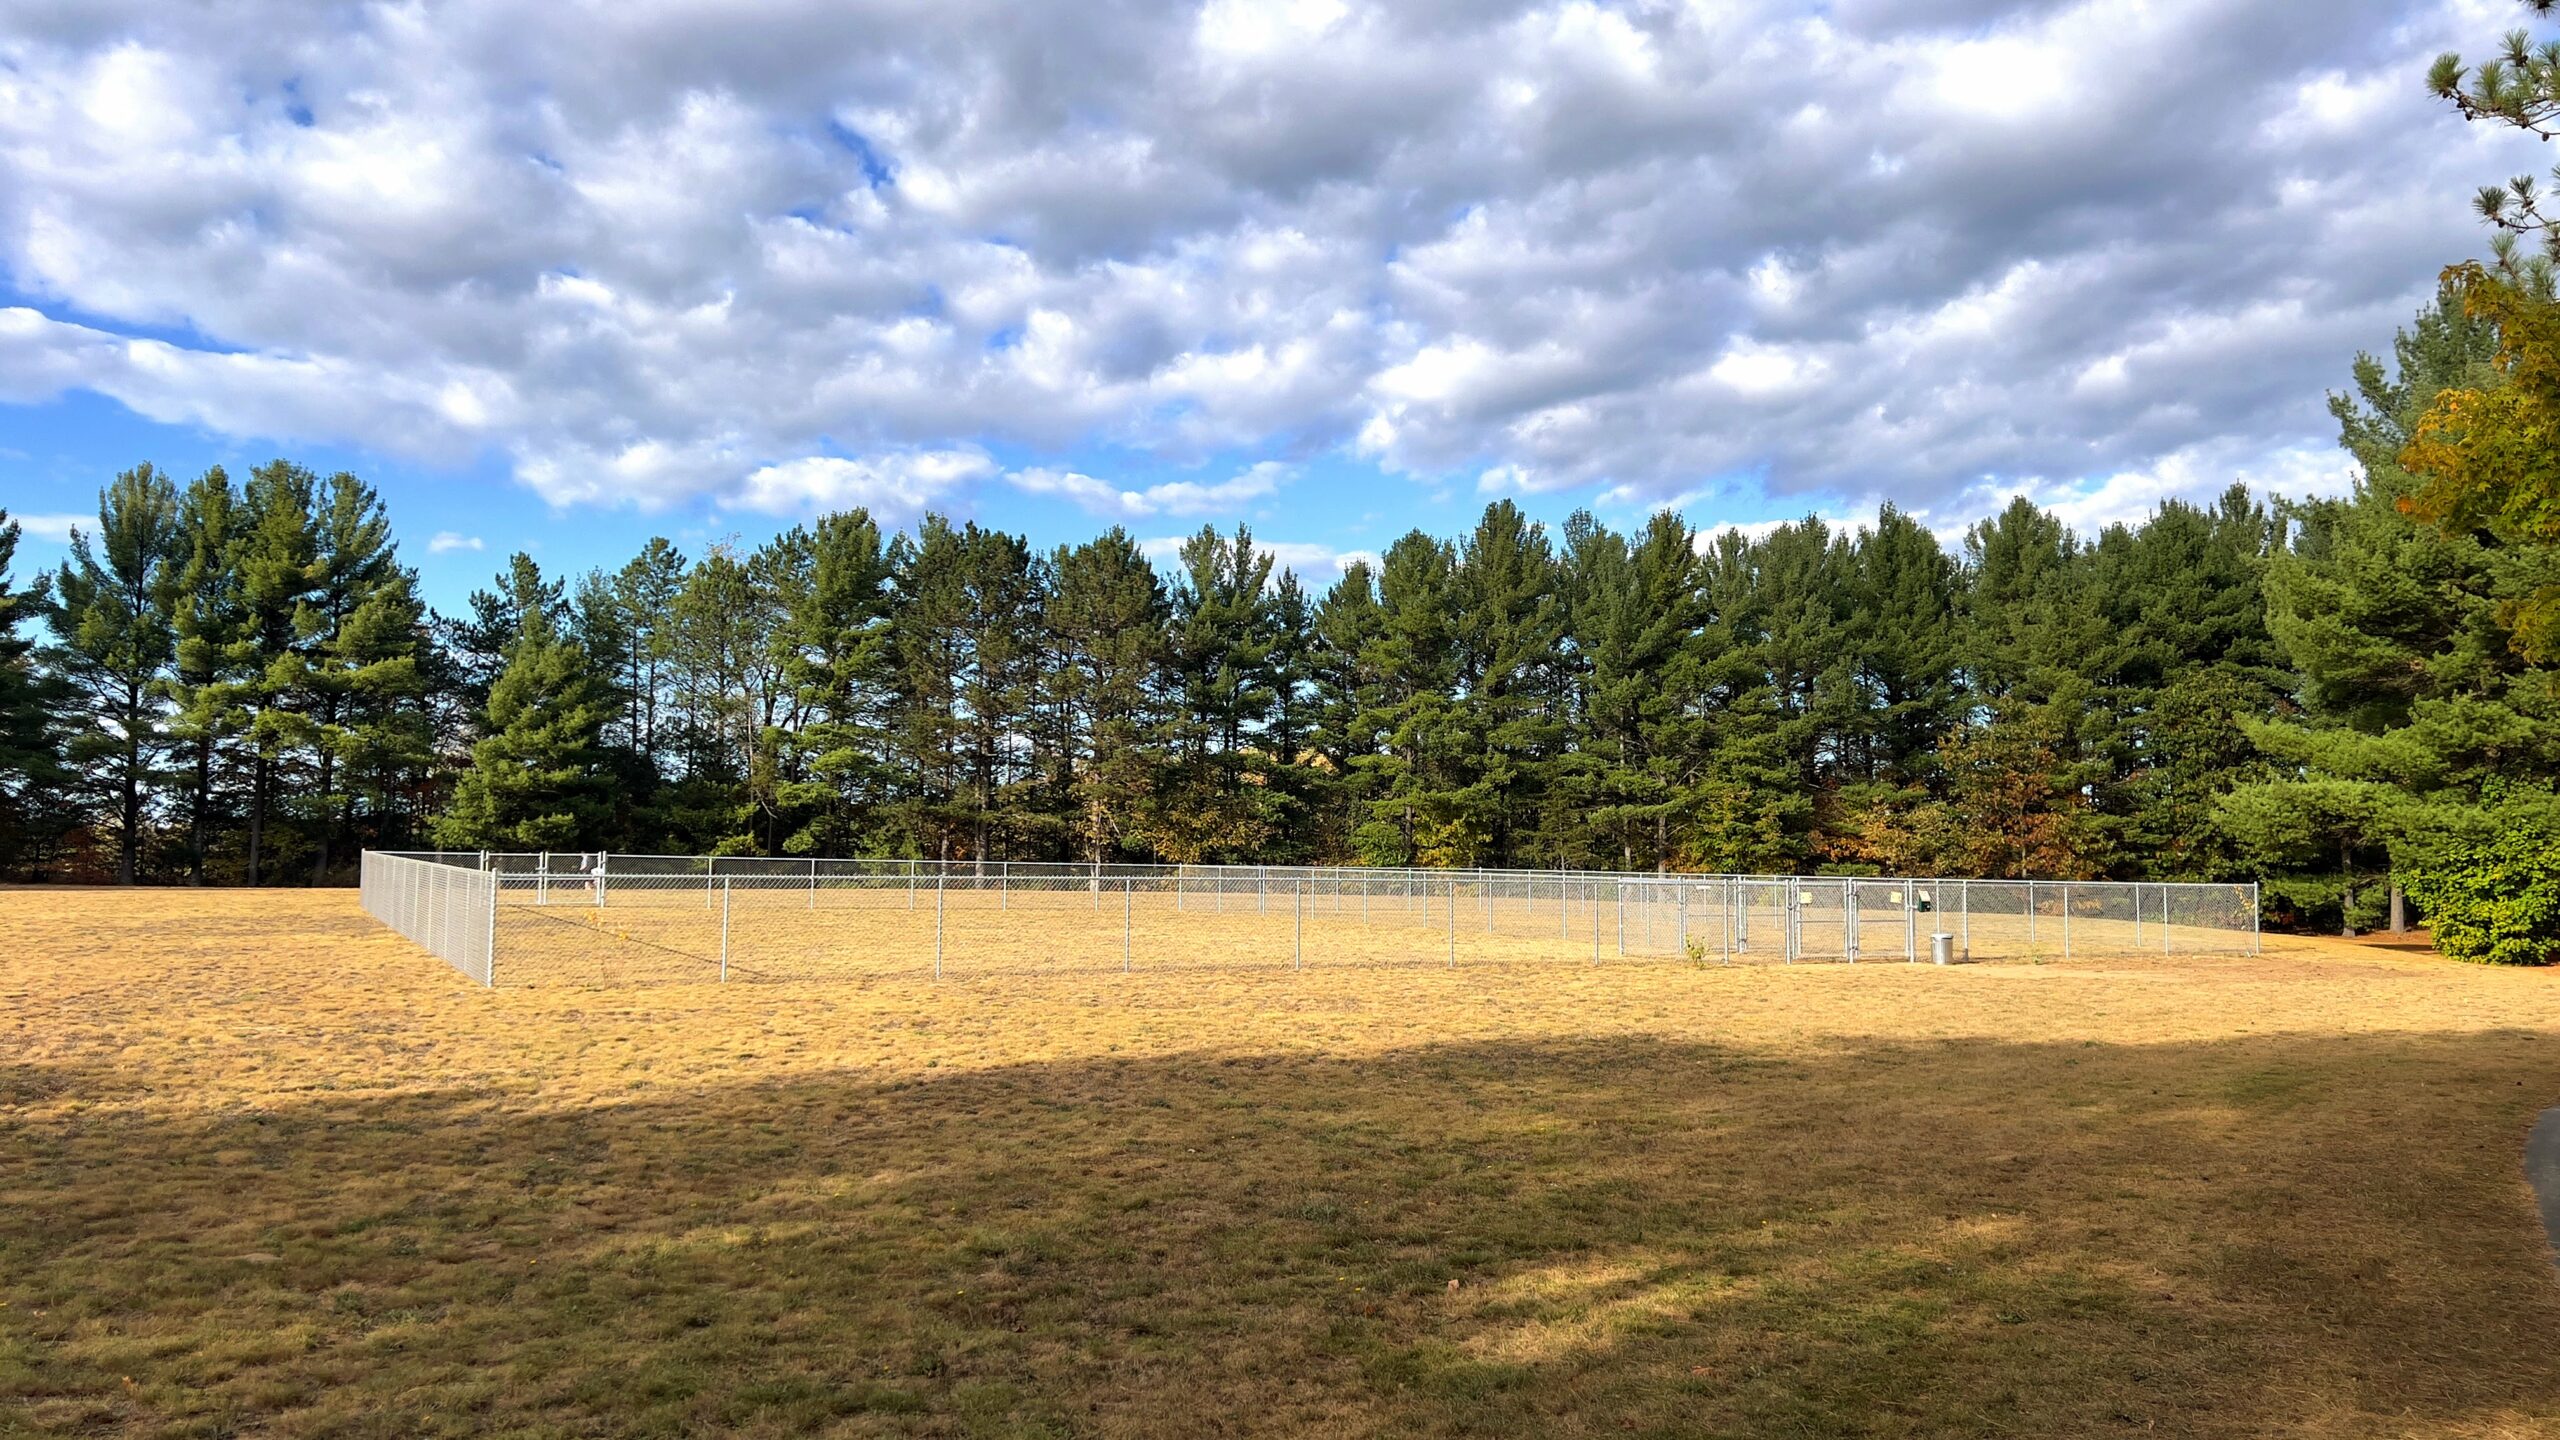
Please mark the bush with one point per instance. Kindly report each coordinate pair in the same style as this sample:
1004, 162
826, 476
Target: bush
2489, 887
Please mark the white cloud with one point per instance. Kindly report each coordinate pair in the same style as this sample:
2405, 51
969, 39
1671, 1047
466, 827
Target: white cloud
445, 542
895, 487
1174, 497
650, 255
1312, 561
56, 528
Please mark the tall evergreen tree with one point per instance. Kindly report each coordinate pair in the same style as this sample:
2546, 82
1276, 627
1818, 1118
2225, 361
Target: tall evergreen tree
206, 616
836, 642
115, 638
1108, 616
31, 770
354, 667
538, 779
276, 560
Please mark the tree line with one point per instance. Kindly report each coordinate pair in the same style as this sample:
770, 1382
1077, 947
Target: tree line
235, 681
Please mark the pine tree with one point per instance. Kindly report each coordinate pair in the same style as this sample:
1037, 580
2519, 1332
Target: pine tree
115, 639
1750, 812
1414, 656
1213, 806
538, 779
276, 559
354, 669
835, 636
1510, 630
1108, 616
31, 770
1344, 698
480, 644
206, 616
2420, 713
645, 590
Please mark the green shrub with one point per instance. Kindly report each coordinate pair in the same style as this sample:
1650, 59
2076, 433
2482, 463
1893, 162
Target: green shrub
2489, 887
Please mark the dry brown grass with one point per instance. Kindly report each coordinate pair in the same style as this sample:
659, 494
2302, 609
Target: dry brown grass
268, 1169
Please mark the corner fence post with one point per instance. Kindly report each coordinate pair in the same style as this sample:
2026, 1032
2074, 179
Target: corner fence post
489, 962
724, 932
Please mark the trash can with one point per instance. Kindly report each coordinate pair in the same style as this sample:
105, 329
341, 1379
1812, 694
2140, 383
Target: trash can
1942, 949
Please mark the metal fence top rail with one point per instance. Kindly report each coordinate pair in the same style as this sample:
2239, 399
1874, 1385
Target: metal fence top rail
571, 863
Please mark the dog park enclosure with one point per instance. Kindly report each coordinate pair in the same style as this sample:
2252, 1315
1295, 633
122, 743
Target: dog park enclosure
533, 918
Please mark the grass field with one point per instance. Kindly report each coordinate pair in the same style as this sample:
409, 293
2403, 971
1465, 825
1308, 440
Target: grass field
266, 1169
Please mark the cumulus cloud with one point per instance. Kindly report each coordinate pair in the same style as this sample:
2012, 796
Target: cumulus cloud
56, 528
651, 254
895, 488
445, 542
1176, 497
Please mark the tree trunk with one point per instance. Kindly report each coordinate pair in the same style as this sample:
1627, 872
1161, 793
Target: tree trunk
2399, 910
203, 798
320, 860
257, 815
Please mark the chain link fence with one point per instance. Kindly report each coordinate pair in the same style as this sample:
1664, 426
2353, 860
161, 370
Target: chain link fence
443, 906
614, 919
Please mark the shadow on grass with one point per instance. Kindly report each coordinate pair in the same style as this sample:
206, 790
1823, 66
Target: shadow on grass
2281, 1235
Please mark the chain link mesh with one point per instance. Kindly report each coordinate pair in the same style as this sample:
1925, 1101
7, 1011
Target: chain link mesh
623, 919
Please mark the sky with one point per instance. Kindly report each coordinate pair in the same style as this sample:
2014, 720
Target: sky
557, 275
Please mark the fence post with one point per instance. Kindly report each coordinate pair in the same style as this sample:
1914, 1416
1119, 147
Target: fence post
2066, 919
937, 925
489, 965
724, 932
1453, 922
1911, 920
2254, 923
1680, 920
1125, 887
542, 881
813, 882
1297, 925
1964, 917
